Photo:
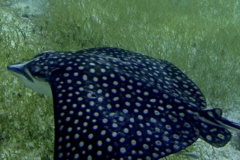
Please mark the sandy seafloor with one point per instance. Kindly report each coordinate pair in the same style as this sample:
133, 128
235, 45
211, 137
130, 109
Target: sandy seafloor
203, 150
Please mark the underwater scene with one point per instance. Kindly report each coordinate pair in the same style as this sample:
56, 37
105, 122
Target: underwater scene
139, 79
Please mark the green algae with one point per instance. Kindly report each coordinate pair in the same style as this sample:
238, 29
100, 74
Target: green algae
200, 37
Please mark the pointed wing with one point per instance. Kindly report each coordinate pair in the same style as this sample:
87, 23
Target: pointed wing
161, 74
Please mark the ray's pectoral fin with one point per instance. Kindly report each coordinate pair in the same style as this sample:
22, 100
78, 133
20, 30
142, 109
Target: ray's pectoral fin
73, 113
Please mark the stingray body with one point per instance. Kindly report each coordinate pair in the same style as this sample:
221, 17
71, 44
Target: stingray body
111, 103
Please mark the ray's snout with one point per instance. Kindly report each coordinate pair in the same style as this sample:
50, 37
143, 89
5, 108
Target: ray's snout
19, 69
15, 68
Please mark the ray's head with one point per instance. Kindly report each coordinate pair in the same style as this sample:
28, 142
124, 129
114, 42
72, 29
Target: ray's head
36, 73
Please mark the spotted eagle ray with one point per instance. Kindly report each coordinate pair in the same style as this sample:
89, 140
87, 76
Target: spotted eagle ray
111, 103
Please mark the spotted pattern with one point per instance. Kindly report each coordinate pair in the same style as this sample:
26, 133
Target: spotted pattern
110, 103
